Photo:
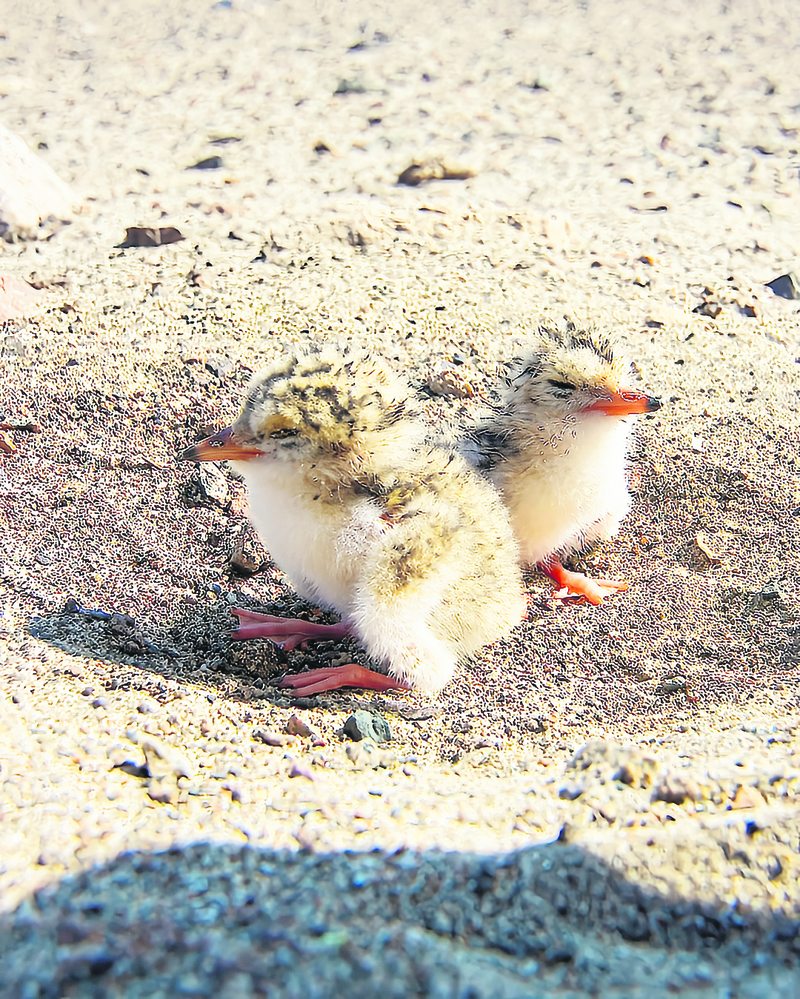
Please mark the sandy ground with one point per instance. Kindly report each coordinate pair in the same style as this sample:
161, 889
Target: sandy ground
603, 804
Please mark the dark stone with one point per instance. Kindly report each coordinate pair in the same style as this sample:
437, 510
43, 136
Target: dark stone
150, 236
345, 87
560, 954
121, 624
367, 725
710, 309
785, 286
209, 163
133, 769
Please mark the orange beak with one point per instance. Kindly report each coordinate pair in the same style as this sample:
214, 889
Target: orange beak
625, 403
220, 447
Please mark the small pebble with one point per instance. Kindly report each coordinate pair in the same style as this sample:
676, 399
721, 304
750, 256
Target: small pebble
367, 725
207, 486
296, 726
209, 163
270, 738
785, 286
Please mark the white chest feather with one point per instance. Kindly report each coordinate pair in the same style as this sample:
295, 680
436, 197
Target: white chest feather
556, 492
319, 545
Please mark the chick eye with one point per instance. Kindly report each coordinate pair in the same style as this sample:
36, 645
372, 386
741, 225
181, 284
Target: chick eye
281, 435
562, 386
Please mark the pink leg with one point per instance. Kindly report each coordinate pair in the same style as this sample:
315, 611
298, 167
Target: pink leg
284, 631
317, 681
576, 585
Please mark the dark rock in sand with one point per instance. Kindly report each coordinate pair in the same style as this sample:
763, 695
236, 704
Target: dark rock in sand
367, 725
209, 163
785, 286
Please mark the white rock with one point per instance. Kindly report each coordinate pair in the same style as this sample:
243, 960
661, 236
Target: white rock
30, 191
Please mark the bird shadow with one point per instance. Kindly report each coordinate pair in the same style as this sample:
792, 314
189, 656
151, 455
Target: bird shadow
218, 919
196, 646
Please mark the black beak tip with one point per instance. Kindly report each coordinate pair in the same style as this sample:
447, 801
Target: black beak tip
188, 454
653, 404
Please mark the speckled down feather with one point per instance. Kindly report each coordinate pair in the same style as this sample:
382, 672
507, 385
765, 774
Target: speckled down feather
400, 537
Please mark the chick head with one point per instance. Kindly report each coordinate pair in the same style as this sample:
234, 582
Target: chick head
571, 373
317, 408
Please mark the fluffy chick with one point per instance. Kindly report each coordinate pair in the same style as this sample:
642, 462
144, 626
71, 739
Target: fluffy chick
402, 539
556, 450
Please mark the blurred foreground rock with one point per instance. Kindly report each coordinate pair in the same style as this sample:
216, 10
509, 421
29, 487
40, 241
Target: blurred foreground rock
17, 298
30, 191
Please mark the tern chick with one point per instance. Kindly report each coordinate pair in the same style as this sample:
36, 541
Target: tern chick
556, 450
404, 540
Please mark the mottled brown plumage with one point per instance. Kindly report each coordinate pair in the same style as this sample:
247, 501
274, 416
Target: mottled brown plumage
401, 538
